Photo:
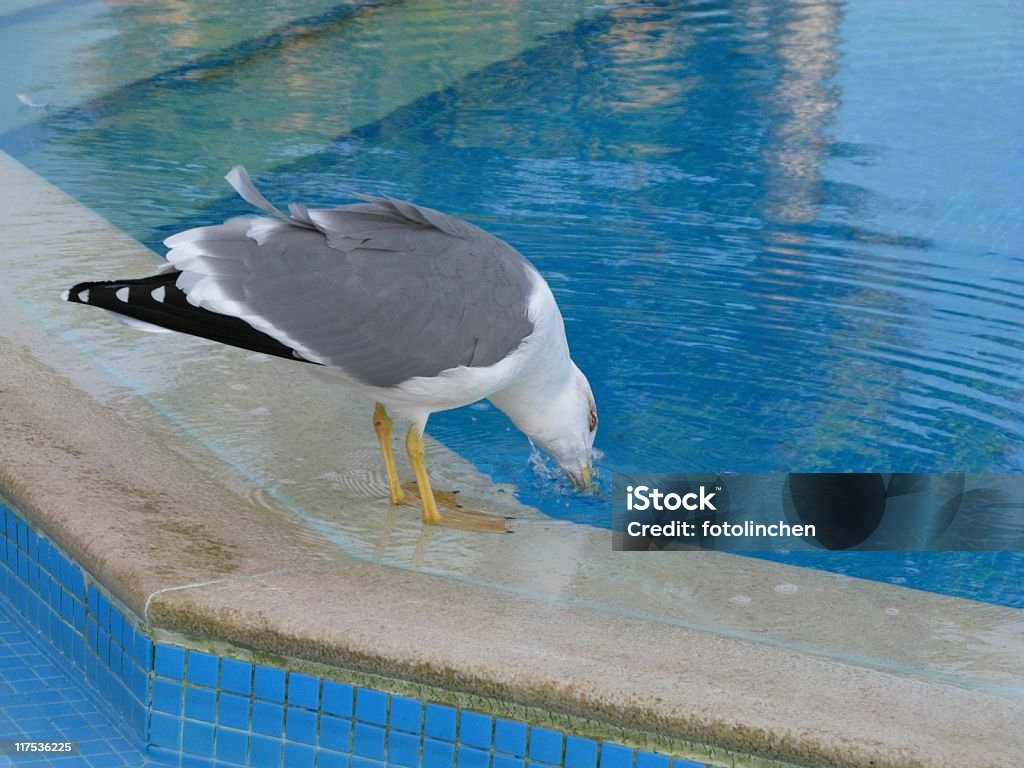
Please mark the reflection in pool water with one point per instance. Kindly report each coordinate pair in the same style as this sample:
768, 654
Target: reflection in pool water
785, 236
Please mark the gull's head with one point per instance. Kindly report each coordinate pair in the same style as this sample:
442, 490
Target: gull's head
568, 427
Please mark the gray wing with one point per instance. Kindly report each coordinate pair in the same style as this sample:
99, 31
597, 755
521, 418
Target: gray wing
383, 290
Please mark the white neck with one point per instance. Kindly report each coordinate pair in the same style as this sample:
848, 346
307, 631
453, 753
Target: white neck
532, 402
546, 373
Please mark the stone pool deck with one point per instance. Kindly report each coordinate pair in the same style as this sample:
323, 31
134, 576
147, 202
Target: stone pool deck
273, 534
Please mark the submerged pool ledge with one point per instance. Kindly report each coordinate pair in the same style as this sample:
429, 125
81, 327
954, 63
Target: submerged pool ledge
638, 657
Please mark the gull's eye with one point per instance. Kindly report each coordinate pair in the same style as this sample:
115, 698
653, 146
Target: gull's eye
593, 419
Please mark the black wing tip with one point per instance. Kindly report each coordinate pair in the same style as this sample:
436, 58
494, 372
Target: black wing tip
74, 293
174, 312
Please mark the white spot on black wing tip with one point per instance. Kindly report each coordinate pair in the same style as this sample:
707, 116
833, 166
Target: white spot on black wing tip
158, 293
83, 296
122, 294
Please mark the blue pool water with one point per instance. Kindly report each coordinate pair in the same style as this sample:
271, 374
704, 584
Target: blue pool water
784, 236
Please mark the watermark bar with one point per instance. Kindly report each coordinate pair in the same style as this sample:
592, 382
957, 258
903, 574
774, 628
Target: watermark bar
758, 512
25, 747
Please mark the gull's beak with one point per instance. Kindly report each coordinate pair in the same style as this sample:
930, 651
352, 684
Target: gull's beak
583, 480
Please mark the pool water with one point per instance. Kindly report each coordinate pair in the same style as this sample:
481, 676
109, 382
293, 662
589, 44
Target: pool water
784, 236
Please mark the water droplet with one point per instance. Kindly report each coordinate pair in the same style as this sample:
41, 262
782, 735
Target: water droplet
892, 611
786, 589
740, 600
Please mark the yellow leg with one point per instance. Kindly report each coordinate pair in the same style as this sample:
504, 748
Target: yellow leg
414, 445
382, 426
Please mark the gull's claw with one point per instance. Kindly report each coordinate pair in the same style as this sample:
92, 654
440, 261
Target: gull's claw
453, 515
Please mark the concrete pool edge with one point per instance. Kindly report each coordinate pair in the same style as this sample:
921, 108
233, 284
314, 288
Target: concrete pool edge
650, 739
177, 558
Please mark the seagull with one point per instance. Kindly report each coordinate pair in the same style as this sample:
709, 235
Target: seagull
415, 310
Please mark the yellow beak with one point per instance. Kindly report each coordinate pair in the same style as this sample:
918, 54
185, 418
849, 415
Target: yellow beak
582, 481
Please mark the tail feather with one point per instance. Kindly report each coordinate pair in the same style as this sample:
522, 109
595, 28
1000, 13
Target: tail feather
157, 301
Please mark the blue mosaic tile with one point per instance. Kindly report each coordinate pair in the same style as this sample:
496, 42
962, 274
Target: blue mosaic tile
303, 690
440, 722
651, 760
371, 706
116, 655
232, 746
200, 704
197, 739
131, 639
167, 696
337, 698
23, 534
78, 650
269, 683
165, 730
335, 733
143, 654
473, 758
78, 615
45, 554
264, 751
76, 582
169, 661
406, 714
438, 754
164, 756
362, 762
580, 752
616, 756
403, 749
510, 737
299, 756
475, 729
67, 606
103, 612
546, 745
116, 623
368, 741
300, 725
233, 711
236, 676
128, 634
268, 718
140, 683
194, 761
327, 759
138, 719
202, 668
103, 646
